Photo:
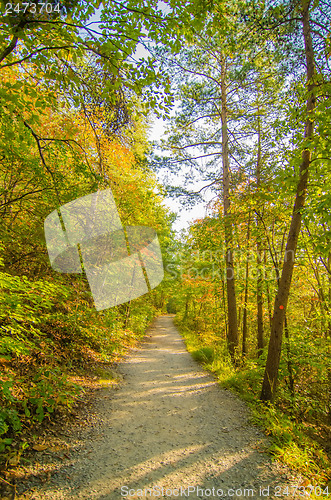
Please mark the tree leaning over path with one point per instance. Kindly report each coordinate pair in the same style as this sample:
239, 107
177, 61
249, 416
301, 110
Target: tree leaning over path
275, 344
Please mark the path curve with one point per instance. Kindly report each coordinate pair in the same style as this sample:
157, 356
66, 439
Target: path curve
168, 426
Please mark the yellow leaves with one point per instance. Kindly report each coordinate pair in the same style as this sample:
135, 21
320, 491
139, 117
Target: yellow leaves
40, 447
119, 156
14, 458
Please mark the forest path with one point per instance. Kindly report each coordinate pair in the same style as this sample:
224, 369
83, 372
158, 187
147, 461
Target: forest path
168, 426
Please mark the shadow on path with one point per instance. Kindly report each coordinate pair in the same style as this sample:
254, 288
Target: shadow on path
168, 428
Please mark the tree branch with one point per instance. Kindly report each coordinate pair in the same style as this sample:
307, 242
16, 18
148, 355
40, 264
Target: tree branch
37, 51
10, 202
37, 139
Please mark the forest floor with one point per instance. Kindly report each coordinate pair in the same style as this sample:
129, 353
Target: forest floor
167, 425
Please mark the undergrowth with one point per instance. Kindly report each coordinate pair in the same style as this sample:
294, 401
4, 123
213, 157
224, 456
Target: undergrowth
51, 335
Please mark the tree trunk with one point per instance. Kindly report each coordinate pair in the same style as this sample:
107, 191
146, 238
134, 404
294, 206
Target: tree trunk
329, 304
274, 351
259, 283
244, 329
267, 288
186, 308
232, 336
259, 299
289, 358
224, 309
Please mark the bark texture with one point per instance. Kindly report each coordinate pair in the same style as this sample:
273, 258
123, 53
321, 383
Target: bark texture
232, 334
269, 386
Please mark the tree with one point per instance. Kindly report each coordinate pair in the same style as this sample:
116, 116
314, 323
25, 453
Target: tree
209, 69
230, 272
274, 350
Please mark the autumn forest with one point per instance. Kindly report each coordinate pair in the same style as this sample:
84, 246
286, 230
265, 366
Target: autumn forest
243, 90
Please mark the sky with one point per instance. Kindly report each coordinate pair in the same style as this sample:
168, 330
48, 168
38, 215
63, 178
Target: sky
184, 215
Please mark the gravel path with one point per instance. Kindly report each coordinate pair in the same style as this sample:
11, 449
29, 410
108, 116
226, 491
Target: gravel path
170, 428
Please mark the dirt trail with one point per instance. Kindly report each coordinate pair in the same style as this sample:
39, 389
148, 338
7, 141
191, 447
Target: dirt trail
168, 426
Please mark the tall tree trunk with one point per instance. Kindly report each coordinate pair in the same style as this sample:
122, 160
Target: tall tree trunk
289, 358
269, 385
259, 283
224, 309
186, 308
266, 277
329, 304
244, 329
232, 336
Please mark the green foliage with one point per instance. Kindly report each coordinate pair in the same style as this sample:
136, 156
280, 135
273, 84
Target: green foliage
204, 355
9, 418
171, 306
49, 389
48, 338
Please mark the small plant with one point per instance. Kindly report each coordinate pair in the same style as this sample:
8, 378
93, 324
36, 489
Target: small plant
204, 354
